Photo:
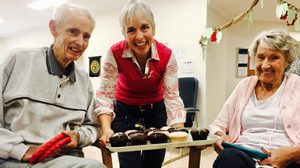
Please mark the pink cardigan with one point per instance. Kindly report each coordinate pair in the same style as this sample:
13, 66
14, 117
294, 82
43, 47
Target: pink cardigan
229, 119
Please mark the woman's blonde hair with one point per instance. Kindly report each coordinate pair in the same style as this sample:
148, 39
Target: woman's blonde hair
276, 39
132, 10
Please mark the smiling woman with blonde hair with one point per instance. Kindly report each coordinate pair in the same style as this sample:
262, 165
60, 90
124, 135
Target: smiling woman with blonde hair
263, 111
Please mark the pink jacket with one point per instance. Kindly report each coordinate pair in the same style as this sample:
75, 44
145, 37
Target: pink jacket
229, 118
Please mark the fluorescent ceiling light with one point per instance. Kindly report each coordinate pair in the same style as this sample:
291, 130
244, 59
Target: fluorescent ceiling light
41, 4
1, 20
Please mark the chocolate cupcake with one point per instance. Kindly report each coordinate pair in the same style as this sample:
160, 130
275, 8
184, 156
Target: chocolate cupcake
167, 128
118, 139
147, 130
180, 130
156, 137
199, 134
136, 137
172, 129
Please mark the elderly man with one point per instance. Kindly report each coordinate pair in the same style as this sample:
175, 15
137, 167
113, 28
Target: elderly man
44, 93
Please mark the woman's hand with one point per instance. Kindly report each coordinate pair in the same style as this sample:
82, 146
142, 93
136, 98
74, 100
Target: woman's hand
223, 138
105, 122
106, 134
280, 157
178, 125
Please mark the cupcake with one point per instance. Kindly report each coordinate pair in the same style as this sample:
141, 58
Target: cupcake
156, 137
136, 137
199, 134
167, 128
178, 136
118, 139
147, 130
180, 130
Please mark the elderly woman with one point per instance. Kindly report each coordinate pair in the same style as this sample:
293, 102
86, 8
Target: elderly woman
263, 110
140, 75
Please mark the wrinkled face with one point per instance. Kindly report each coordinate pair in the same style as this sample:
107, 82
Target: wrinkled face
270, 65
139, 36
71, 38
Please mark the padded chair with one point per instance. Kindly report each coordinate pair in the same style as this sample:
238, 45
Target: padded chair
188, 91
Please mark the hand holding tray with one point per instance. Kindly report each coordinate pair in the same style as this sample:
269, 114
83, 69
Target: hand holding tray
250, 152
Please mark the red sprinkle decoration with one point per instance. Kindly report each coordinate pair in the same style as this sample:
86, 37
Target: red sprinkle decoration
213, 37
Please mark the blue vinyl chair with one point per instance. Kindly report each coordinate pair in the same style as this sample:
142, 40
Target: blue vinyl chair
188, 91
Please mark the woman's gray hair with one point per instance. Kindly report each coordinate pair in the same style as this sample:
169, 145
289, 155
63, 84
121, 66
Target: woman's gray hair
59, 13
276, 39
134, 9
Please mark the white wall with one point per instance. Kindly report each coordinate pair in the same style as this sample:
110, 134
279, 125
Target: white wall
39, 38
106, 33
178, 23
216, 64
1, 48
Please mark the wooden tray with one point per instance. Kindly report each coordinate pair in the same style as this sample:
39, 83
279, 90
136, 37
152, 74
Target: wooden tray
211, 139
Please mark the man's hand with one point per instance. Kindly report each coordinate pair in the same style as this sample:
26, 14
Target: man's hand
31, 150
64, 149
74, 135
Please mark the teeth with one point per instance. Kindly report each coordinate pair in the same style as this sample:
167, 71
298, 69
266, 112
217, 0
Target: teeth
140, 44
74, 49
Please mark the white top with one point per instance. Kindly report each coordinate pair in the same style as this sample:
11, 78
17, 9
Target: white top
262, 123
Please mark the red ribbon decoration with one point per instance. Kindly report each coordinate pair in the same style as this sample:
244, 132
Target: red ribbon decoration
213, 37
